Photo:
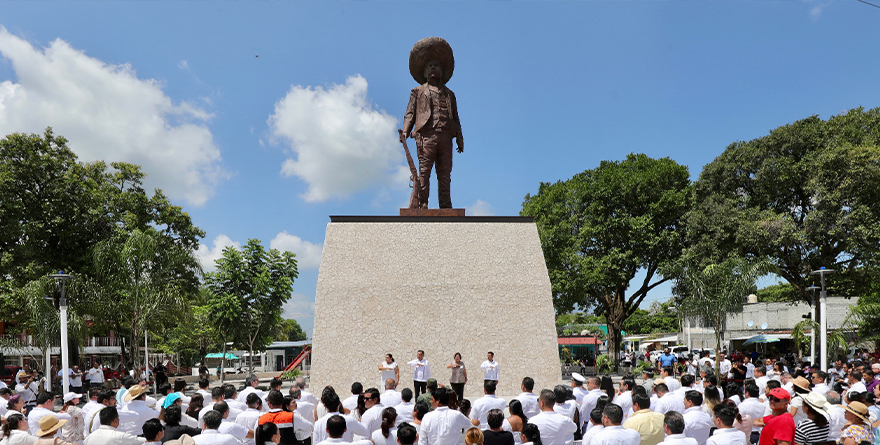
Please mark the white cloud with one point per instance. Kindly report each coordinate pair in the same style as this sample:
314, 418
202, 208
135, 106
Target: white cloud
302, 309
816, 11
207, 256
108, 113
341, 144
480, 208
308, 255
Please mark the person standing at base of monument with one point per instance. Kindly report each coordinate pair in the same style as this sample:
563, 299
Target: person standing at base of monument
459, 375
432, 118
421, 373
389, 371
490, 368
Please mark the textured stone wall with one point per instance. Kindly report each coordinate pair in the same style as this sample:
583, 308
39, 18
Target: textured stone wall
444, 287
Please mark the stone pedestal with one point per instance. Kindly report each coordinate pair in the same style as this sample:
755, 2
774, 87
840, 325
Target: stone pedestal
442, 284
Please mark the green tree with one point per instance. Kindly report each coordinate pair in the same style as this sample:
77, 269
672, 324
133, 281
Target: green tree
713, 292
290, 330
778, 293
806, 195
139, 285
663, 317
248, 291
602, 226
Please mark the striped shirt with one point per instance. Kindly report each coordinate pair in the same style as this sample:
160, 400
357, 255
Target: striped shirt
808, 433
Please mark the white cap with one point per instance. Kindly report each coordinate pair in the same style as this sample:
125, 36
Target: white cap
71, 395
578, 377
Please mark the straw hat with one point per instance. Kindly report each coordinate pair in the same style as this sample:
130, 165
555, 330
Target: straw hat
134, 392
802, 383
859, 409
818, 403
427, 49
49, 424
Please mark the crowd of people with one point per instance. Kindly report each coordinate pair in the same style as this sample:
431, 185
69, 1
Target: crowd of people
778, 406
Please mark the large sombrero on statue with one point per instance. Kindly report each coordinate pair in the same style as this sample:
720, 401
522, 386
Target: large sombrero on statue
428, 49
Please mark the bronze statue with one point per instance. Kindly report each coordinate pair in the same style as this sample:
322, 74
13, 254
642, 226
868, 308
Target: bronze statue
432, 118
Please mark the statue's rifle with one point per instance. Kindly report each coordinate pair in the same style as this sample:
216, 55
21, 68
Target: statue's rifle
414, 174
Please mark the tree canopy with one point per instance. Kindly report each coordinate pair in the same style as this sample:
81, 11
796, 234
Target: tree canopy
603, 226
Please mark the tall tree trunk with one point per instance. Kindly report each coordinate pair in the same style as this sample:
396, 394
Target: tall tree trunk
614, 343
223, 364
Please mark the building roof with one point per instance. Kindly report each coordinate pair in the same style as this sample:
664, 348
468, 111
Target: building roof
288, 344
578, 340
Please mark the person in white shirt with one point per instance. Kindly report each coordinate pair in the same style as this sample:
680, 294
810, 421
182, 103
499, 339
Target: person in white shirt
218, 394
750, 367
589, 402
761, 379
555, 428
204, 390
697, 424
819, 385
667, 374
577, 387
230, 396
387, 432
837, 415
389, 370
528, 399
421, 373
336, 430
674, 427
855, 384
390, 397
17, 431
250, 387
490, 367
666, 401
726, 434
724, 366
304, 408
687, 384
307, 396
45, 406
95, 375
593, 426
211, 434
28, 388
107, 434
405, 407
240, 432
753, 407
250, 417
351, 402
614, 433
564, 404
624, 398
442, 426
372, 417
140, 412
350, 428
480, 408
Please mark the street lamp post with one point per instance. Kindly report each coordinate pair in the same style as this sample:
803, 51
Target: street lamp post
61, 278
812, 290
823, 317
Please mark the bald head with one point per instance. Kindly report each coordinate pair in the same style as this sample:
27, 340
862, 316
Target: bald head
390, 384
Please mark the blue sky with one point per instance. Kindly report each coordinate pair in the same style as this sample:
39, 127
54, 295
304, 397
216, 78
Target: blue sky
263, 118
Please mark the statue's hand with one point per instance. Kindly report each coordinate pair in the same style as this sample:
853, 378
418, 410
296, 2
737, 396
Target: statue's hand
460, 145
402, 135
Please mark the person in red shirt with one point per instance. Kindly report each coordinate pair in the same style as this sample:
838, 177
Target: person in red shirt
778, 427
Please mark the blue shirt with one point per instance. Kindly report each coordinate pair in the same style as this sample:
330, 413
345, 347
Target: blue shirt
666, 360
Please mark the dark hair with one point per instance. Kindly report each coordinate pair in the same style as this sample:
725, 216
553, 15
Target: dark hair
229, 391
614, 413
458, 354
687, 380
608, 386
441, 396
495, 418
489, 386
164, 389
668, 370
752, 390
642, 400
731, 403
712, 379
694, 397
548, 396
295, 392
389, 416
361, 405
733, 389
762, 369
275, 383
674, 421
12, 423
336, 426
275, 398
528, 383
196, 403
530, 430
725, 413
179, 385
661, 388
453, 400
423, 352
406, 394
560, 394
212, 420
596, 416
464, 407
218, 392
264, 432
639, 389
821, 374
357, 388
856, 375
44, 397
172, 415
107, 415
712, 396
204, 383
515, 408
392, 361
221, 407
773, 384
285, 405
95, 392
253, 400
406, 434
422, 408
152, 428
105, 395
602, 402
628, 383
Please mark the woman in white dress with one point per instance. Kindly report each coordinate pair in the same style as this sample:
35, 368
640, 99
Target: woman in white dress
389, 371
15, 431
